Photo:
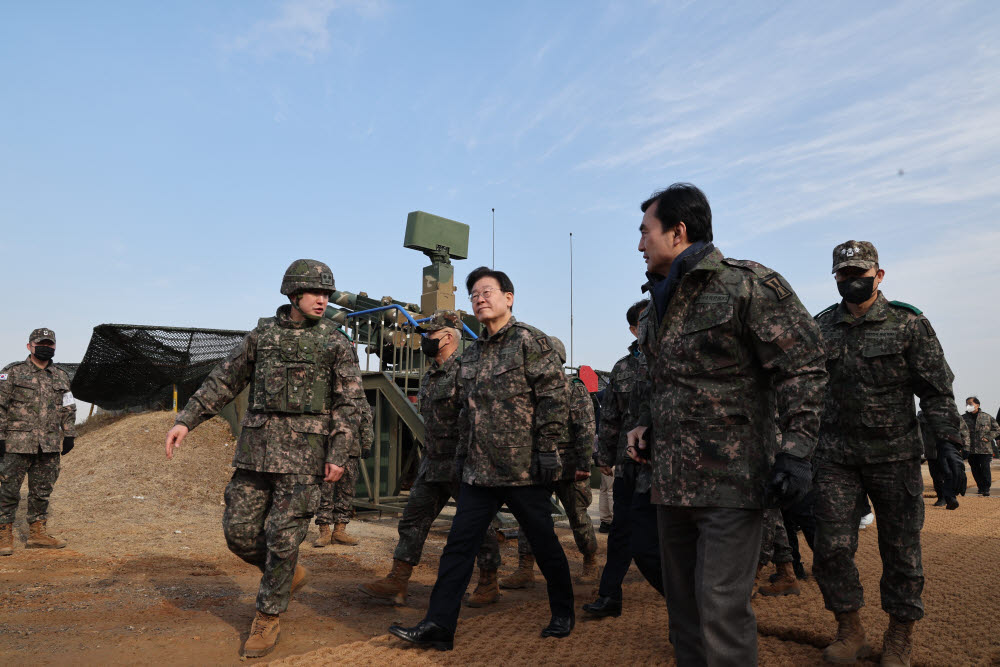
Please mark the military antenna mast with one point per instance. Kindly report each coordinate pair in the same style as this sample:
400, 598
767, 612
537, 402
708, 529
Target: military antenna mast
571, 299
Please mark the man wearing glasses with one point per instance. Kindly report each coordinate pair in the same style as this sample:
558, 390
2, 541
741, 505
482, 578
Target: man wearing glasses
513, 398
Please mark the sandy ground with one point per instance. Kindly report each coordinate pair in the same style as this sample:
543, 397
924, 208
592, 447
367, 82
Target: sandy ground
147, 579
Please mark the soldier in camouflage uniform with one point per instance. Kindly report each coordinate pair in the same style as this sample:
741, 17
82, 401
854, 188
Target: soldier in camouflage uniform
774, 548
335, 505
983, 430
37, 426
879, 355
436, 481
633, 534
513, 401
727, 343
300, 427
573, 490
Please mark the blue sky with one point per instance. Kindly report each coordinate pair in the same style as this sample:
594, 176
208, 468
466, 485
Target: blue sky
162, 163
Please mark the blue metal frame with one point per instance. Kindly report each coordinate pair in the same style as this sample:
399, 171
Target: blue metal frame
406, 314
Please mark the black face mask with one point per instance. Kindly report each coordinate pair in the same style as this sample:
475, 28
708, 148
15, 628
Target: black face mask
430, 346
44, 352
857, 290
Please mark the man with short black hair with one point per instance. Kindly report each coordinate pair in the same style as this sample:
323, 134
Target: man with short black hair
514, 410
37, 427
727, 342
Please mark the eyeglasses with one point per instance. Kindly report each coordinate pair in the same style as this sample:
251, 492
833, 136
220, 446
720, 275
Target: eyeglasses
486, 294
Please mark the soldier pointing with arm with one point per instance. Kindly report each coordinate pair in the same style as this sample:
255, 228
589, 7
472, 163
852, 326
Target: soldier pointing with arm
299, 430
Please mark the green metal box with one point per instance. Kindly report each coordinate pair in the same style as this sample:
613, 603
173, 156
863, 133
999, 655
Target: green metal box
425, 232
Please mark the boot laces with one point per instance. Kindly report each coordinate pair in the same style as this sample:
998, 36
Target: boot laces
895, 639
259, 627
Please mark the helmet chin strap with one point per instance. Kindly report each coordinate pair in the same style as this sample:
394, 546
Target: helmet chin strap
295, 304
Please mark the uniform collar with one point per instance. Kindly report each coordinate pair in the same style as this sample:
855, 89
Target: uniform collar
877, 313
32, 366
499, 334
710, 262
435, 366
284, 318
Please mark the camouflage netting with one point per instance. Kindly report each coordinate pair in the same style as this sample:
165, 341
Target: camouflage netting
129, 365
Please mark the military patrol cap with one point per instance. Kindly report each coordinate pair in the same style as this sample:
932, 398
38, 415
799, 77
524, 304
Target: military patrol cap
41, 334
855, 253
307, 274
442, 319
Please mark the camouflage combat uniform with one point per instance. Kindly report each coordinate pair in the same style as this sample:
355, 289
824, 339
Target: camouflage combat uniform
436, 483
574, 495
732, 344
774, 547
37, 411
983, 429
870, 444
304, 391
335, 497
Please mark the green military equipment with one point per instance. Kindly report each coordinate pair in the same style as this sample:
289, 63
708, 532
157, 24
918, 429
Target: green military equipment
441, 240
289, 375
306, 274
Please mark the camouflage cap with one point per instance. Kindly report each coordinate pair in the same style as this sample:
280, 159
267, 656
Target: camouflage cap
307, 274
559, 347
855, 253
442, 319
41, 334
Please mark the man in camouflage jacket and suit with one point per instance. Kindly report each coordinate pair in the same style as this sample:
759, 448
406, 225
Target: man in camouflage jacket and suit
879, 355
633, 534
572, 490
512, 396
37, 426
727, 343
300, 427
436, 480
983, 430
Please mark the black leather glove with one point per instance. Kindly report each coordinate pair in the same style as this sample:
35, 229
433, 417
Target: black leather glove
458, 469
3, 448
548, 466
791, 479
68, 443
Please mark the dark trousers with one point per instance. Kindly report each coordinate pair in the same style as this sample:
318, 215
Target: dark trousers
709, 557
934, 468
633, 536
980, 464
949, 465
477, 505
800, 517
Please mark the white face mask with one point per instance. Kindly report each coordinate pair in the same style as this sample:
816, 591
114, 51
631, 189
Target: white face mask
970, 408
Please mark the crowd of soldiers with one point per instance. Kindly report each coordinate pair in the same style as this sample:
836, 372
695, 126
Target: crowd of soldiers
734, 421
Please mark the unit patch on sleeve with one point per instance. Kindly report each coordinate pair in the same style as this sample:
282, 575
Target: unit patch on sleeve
928, 329
781, 289
543, 342
3, 376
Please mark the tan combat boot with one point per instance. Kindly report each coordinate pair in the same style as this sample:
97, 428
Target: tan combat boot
299, 578
589, 573
487, 591
897, 643
393, 586
524, 575
324, 536
785, 584
6, 539
850, 645
263, 637
39, 539
340, 535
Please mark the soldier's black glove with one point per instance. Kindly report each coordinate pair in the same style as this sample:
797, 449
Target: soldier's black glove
459, 469
3, 448
68, 443
548, 466
791, 478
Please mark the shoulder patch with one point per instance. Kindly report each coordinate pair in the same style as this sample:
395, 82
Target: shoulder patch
928, 329
781, 288
3, 376
543, 342
902, 304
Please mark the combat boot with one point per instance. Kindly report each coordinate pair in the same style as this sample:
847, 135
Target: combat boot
589, 573
487, 591
263, 637
897, 643
523, 576
39, 539
299, 578
850, 645
6, 539
340, 535
393, 586
324, 536
784, 584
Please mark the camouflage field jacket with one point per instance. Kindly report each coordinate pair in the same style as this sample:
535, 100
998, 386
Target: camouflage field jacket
37, 409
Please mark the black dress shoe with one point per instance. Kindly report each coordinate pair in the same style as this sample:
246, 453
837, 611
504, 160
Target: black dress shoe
426, 633
559, 626
940, 503
953, 504
605, 527
604, 606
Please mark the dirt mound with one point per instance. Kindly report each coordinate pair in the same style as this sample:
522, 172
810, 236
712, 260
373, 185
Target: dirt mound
118, 493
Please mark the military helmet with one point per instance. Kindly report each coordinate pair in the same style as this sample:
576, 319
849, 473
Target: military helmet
559, 347
307, 274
